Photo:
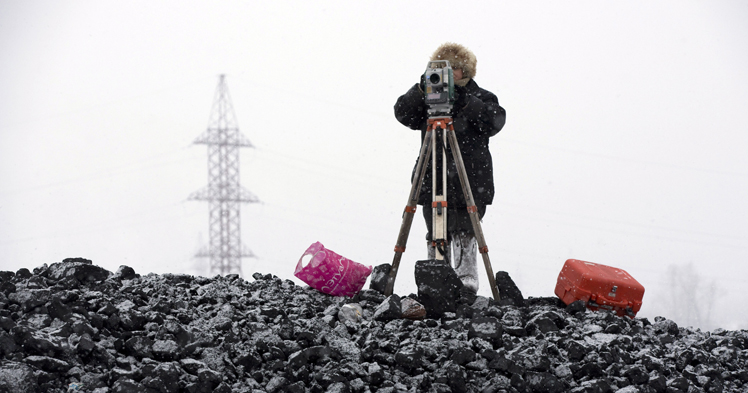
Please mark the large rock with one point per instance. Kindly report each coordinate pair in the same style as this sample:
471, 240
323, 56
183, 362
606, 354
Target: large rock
379, 276
351, 312
125, 273
126, 385
486, 328
544, 382
308, 355
370, 295
409, 358
7, 344
438, 287
6, 276
411, 309
508, 290
164, 377
389, 309
77, 272
29, 299
17, 377
47, 363
140, 347
165, 350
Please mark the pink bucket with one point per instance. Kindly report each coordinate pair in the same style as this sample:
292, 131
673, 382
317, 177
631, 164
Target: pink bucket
331, 273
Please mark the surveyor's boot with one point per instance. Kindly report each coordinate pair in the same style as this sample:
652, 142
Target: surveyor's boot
466, 259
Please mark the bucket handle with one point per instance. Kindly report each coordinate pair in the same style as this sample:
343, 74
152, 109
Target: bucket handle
312, 250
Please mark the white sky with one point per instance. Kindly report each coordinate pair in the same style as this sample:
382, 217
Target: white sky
625, 141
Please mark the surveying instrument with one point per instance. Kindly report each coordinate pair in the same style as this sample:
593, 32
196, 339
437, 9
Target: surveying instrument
438, 83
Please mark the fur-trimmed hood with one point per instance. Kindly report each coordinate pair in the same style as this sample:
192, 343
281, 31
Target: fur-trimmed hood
459, 57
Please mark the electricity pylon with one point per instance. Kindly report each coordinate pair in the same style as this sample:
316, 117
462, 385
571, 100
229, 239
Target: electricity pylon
225, 194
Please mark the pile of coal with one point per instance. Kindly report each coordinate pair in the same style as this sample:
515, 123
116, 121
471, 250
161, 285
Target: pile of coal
73, 326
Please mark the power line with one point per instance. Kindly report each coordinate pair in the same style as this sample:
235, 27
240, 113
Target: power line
624, 159
131, 167
98, 105
106, 225
619, 230
613, 221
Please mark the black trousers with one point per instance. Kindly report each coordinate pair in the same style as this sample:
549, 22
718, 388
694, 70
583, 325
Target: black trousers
458, 220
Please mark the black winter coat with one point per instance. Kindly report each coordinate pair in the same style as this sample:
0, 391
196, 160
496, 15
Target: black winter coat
481, 118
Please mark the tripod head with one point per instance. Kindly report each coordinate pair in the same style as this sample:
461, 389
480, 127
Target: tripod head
439, 88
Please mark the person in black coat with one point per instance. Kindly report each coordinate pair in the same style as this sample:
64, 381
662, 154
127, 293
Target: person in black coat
477, 116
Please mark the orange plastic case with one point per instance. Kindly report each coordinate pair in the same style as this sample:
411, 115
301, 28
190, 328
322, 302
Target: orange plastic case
599, 286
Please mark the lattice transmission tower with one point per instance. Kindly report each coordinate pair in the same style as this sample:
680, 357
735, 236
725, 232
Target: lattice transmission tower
224, 193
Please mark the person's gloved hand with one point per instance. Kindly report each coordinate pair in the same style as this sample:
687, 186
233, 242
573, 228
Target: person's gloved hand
422, 84
461, 99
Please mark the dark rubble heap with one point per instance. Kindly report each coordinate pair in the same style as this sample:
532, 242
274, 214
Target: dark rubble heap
74, 325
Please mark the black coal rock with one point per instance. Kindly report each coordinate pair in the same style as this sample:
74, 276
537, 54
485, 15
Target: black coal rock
486, 328
379, 277
389, 309
72, 324
508, 290
438, 287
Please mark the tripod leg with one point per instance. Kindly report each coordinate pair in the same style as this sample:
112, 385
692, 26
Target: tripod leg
472, 210
410, 210
439, 193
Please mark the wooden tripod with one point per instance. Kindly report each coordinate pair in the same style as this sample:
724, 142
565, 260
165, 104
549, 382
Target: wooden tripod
439, 128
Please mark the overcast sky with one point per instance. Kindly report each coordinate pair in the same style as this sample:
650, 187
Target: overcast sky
625, 144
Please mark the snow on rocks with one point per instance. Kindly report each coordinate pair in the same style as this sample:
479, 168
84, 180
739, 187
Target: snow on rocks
75, 323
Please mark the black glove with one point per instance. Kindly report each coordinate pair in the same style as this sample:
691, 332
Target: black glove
422, 85
461, 98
